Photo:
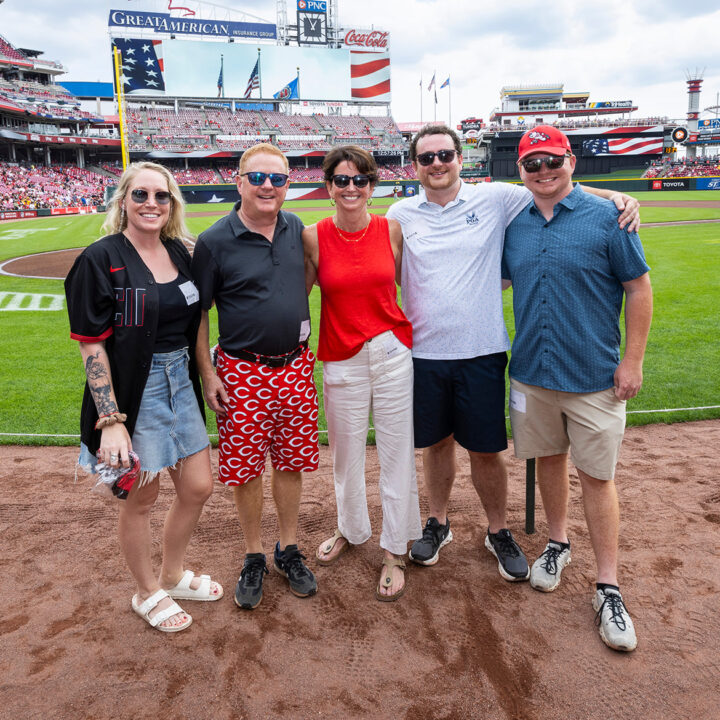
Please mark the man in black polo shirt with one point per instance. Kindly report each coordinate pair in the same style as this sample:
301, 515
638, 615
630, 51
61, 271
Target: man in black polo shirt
251, 265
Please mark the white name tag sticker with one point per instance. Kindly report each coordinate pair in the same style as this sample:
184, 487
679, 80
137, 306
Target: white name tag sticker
304, 330
190, 292
517, 400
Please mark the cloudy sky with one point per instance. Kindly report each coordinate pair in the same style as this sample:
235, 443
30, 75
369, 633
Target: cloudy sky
637, 50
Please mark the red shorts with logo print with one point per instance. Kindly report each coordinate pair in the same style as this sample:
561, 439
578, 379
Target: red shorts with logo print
270, 409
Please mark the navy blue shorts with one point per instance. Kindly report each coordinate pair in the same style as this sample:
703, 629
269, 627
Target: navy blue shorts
464, 398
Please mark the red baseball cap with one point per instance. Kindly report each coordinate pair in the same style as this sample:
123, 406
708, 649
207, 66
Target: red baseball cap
544, 138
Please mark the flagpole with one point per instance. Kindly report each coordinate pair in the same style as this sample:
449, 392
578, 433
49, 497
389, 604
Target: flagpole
121, 108
298, 81
435, 89
449, 104
222, 73
259, 75
421, 89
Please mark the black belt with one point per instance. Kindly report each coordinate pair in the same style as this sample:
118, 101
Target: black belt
273, 361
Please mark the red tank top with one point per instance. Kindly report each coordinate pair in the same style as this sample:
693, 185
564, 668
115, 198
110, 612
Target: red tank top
357, 281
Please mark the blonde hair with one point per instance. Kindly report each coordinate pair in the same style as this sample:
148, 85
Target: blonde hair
262, 148
116, 220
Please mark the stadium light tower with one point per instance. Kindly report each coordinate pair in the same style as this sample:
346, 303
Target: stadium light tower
694, 81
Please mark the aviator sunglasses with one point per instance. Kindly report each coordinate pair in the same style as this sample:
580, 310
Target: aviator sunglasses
342, 181
554, 162
444, 156
258, 178
162, 197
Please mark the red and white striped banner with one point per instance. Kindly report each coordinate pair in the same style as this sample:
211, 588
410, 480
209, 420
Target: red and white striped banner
370, 76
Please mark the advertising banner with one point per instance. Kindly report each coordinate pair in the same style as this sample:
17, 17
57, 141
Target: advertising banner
17, 214
169, 24
611, 104
710, 124
670, 184
707, 183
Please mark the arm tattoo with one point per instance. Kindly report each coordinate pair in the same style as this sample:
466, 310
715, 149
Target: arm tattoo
99, 383
104, 403
94, 367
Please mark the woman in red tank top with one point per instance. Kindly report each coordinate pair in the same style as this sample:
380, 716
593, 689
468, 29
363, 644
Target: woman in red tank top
364, 343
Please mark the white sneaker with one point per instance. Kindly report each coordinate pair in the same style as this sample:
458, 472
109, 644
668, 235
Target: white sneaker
616, 627
547, 569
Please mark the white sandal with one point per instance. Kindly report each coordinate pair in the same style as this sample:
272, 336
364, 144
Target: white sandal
143, 610
183, 591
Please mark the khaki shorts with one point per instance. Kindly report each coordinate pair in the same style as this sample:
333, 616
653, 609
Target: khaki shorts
549, 422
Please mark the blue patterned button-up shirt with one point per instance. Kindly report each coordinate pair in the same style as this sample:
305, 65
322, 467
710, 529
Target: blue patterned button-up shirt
567, 275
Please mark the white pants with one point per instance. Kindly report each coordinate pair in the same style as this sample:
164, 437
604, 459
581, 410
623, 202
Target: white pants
378, 379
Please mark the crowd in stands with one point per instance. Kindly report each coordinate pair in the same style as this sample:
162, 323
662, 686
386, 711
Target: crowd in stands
696, 167
29, 187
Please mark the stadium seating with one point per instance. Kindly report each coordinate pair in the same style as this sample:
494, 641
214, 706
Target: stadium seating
8, 51
29, 187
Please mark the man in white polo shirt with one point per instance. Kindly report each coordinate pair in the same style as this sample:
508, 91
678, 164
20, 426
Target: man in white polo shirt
451, 291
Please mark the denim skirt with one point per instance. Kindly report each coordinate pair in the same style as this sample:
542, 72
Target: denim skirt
169, 425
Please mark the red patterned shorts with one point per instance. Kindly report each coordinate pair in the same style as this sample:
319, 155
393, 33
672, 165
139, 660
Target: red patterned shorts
270, 409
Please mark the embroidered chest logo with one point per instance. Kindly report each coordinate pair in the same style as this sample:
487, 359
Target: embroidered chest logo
536, 137
472, 219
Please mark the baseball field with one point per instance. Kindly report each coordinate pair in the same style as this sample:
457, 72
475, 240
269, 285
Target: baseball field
461, 643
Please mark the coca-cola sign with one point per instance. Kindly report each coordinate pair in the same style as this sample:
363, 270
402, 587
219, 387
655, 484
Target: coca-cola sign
367, 38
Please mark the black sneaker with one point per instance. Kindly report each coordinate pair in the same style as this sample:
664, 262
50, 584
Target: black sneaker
248, 591
426, 550
289, 563
511, 561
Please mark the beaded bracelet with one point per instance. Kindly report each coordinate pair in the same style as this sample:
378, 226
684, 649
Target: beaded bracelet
110, 419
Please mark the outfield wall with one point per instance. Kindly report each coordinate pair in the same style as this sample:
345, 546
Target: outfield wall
316, 191
211, 194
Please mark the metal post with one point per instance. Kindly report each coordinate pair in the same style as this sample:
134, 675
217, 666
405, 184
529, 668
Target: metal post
530, 496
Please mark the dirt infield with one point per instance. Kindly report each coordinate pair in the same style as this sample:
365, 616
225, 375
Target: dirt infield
461, 642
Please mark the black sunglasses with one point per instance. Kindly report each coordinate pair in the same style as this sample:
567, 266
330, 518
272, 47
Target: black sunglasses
342, 181
162, 197
258, 178
533, 165
444, 156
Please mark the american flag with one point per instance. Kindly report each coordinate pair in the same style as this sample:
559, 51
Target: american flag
622, 146
142, 65
254, 81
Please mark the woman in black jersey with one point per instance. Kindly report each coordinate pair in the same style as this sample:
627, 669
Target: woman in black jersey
135, 310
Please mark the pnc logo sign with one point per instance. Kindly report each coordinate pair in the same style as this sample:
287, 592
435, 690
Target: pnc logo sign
312, 5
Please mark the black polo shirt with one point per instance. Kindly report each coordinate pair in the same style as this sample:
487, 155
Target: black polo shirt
258, 286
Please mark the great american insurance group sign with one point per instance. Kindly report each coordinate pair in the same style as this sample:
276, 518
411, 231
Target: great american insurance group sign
165, 23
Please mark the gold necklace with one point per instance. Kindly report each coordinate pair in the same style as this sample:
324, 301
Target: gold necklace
347, 239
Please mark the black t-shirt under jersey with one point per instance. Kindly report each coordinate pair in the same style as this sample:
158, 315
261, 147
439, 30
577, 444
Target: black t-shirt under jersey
257, 285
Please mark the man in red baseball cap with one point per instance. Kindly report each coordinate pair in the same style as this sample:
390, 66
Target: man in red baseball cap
571, 266
544, 139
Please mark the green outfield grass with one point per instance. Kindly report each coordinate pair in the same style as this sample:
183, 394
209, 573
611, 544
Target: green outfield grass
41, 376
631, 174
678, 214
677, 196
